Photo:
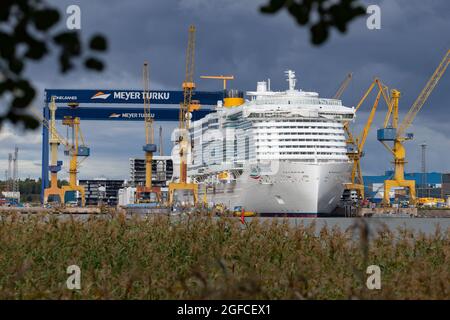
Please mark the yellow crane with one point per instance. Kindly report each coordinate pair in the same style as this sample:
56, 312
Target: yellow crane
356, 145
395, 132
224, 78
231, 98
145, 193
73, 149
55, 165
186, 108
343, 86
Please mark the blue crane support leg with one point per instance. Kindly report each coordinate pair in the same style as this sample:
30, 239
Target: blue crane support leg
45, 146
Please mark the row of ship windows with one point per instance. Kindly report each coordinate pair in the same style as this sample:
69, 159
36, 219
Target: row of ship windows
334, 160
308, 147
277, 140
273, 137
343, 116
301, 146
297, 127
278, 100
302, 133
321, 112
296, 120
304, 140
301, 153
323, 160
289, 125
315, 140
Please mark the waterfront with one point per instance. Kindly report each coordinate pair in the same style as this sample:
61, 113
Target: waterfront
424, 225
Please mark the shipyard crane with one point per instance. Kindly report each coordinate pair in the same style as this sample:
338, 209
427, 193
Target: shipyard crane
73, 149
343, 86
55, 164
224, 78
231, 98
355, 145
392, 131
385, 94
186, 108
148, 192
161, 147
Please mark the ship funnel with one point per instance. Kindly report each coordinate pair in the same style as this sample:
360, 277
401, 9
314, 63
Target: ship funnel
233, 98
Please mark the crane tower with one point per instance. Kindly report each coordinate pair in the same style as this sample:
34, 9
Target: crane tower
148, 193
186, 108
395, 132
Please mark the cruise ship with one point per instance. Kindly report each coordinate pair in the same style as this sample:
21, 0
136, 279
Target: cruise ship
275, 153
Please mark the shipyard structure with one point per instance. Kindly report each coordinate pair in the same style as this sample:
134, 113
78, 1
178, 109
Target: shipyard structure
287, 152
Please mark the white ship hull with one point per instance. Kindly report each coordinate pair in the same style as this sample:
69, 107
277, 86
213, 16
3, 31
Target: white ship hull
297, 189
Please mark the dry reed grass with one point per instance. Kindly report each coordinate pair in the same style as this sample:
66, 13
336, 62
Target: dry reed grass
206, 258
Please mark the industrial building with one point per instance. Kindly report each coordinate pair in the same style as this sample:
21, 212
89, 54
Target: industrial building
431, 184
162, 171
106, 191
10, 194
9, 198
101, 191
446, 185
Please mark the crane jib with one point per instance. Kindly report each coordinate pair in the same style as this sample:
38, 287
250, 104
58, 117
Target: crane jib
424, 94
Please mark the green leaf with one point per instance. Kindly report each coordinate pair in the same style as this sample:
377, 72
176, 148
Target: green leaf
15, 65
28, 121
70, 42
37, 50
20, 33
98, 43
273, 6
94, 64
7, 85
8, 48
44, 19
64, 62
301, 13
5, 9
331, 14
319, 33
24, 94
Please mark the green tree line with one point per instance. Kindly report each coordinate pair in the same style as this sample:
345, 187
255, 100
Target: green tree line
30, 189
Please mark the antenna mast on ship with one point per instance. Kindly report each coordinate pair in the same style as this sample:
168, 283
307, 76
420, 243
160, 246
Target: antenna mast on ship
291, 79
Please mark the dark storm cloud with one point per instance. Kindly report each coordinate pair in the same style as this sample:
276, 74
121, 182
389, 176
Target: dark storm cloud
234, 38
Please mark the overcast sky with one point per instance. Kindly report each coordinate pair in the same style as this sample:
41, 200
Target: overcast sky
234, 38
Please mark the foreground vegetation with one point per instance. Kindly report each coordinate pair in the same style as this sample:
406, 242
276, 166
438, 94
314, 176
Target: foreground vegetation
205, 258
